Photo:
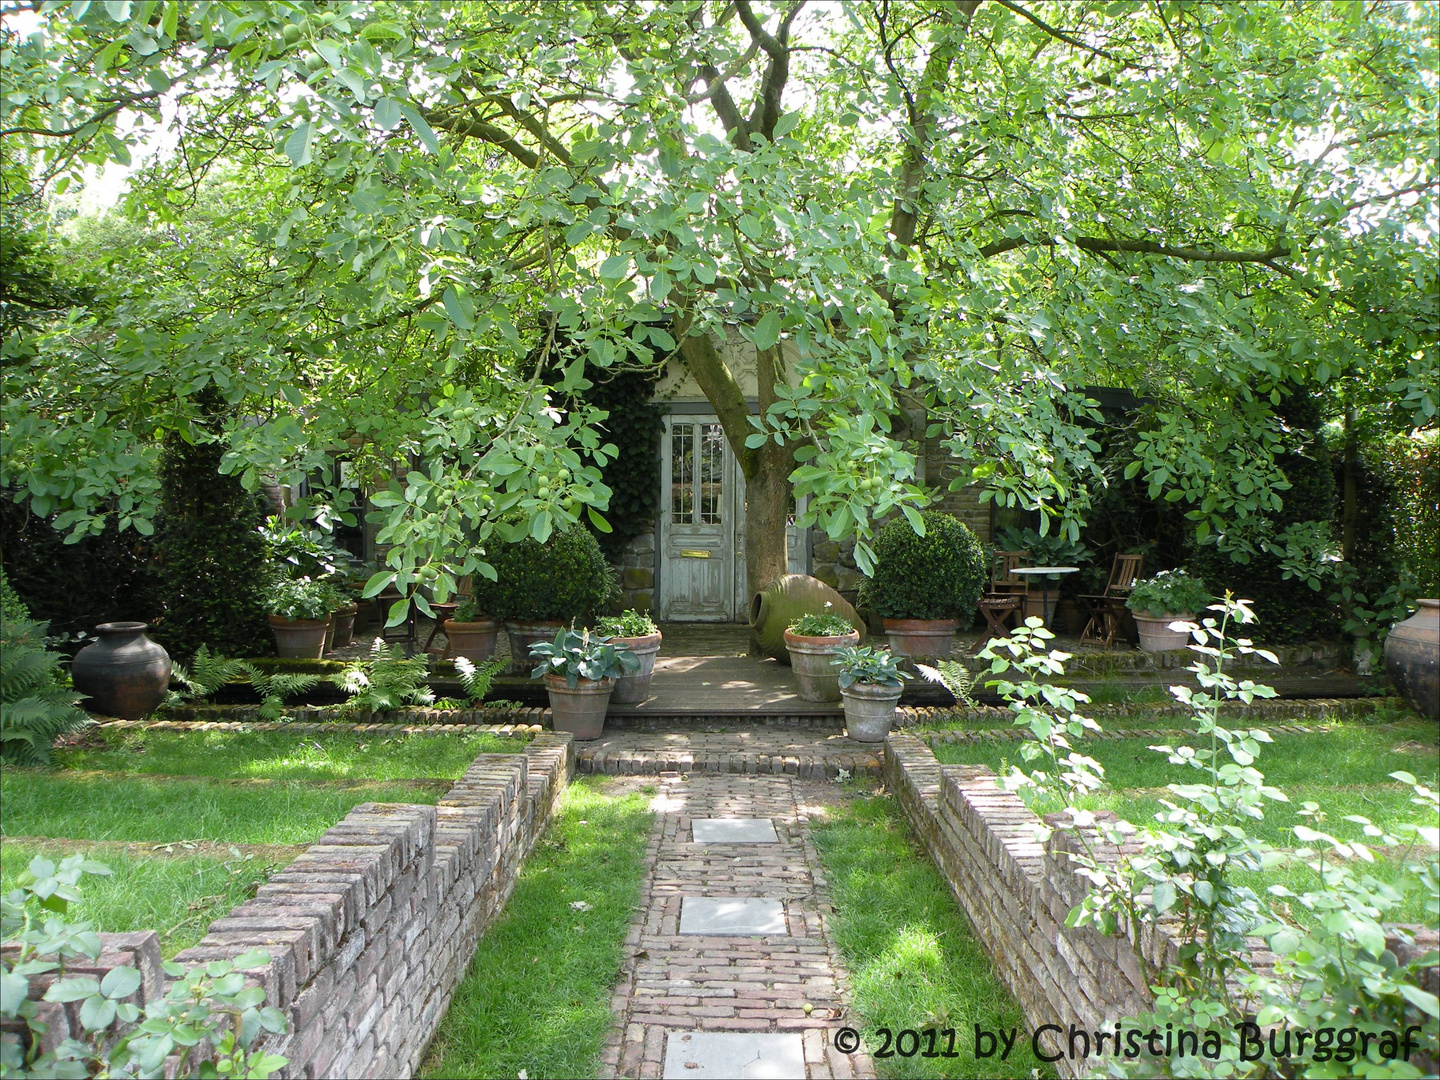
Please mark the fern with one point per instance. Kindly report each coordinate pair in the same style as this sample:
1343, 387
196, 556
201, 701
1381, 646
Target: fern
207, 673
477, 680
954, 676
275, 688
36, 707
385, 680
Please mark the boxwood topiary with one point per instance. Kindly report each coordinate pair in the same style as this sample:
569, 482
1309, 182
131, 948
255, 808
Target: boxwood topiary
564, 578
936, 576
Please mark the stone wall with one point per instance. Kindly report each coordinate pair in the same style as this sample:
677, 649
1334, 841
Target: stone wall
637, 570
371, 929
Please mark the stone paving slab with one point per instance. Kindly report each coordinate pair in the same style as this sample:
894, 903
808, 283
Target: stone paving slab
790, 982
743, 1055
732, 915
733, 831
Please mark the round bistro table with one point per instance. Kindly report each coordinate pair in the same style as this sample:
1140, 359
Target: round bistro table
1045, 573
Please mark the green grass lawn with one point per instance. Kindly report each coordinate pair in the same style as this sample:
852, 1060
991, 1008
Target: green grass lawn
119, 796
913, 960
536, 1000
1345, 769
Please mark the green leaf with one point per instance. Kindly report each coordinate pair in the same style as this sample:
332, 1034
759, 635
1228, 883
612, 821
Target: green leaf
387, 114
1422, 999
615, 267
596, 520
767, 331
458, 308
120, 982
422, 128
786, 124
298, 145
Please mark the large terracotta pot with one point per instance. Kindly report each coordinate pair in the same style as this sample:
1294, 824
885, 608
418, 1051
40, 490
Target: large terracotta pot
524, 634
1155, 632
1412, 659
580, 709
299, 639
774, 609
869, 710
343, 634
810, 658
473, 640
633, 688
921, 637
124, 674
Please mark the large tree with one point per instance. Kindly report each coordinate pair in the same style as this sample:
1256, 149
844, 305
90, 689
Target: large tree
959, 213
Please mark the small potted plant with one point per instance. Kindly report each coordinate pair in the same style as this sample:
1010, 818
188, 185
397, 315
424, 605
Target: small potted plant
579, 670
299, 610
471, 634
925, 583
813, 640
870, 685
638, 633
540, 588
1156, 602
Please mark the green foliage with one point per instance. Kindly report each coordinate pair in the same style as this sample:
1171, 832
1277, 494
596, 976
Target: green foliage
953, 675
209, 1006
566, 577
469, 611
306, 552
211, 559
11, 606
386, 679
1052, 549
824, 624
302, 598
939, 575
575, 656
477, 679
628, 624
37, 705
74, 583
1170, 592
1407, 469
869, 665
207, 673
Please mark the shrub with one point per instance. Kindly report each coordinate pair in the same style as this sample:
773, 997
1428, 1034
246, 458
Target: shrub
1170, 592
301, 598
823, 625
36, 705
566, 577
936, 576
11, 606
209, 584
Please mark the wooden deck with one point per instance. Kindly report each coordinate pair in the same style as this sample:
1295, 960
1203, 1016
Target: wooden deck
723, 686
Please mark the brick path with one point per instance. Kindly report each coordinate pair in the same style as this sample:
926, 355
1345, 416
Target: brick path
677, 985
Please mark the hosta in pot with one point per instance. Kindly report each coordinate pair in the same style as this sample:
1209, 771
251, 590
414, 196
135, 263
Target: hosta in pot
871, 682
580, 669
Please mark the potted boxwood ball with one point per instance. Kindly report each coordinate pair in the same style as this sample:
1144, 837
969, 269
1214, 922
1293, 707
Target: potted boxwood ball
539, 588
870, 685
1169, 596
471, 634
813, 641
579, 670
924, 585
299, 612
638, 633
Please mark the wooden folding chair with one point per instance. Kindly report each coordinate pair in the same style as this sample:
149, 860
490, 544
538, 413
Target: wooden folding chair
1006, 595
1106, 612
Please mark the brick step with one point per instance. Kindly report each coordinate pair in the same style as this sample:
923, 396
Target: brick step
793, 752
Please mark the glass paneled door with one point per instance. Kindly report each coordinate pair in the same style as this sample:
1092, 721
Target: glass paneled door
699, 481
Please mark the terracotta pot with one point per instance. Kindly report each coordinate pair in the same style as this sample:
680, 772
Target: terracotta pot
1038, 605
811, 656
634, 688
473, 640
1155, 632
525, 634
869, 710
1412, 659
775, 608
580, 709
921, 637
299, 639
344, 632
124, 674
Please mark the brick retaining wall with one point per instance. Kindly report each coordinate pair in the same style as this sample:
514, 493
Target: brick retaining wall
371, 928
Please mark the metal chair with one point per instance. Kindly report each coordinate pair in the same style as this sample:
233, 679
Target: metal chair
1105, 612
1006, 595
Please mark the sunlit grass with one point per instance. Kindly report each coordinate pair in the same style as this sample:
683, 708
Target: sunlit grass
913, 960
177, 897
284, 755
536, 1000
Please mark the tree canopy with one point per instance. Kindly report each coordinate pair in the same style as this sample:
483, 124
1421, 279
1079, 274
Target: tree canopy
362, 219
